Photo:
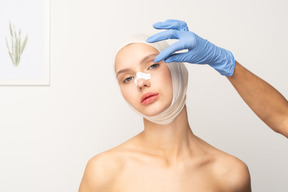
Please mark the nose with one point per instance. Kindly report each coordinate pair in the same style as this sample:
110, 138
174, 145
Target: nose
141, 80
141, 83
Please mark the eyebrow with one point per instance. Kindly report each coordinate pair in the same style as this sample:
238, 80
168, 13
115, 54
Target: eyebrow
144, 60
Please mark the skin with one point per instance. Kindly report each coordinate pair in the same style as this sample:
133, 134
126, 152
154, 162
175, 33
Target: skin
266, 102
159, 72
164, 158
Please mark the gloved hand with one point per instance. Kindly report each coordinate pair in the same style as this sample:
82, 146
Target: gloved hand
200, 51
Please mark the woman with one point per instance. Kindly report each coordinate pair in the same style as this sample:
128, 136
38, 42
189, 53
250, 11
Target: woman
166, 155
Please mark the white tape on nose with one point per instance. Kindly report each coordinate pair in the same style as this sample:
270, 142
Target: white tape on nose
141, 75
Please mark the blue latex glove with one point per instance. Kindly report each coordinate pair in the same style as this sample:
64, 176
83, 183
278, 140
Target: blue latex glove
200, 51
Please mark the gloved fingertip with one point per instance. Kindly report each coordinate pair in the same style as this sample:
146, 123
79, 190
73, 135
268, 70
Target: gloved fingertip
148, 40
168, 60
156, 25
151, 39
157, 59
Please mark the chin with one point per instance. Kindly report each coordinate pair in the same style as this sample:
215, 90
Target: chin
154, 109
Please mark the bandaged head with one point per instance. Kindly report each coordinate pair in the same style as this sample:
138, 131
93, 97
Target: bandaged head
179, 76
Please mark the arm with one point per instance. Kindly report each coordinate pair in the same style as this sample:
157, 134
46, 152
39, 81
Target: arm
262, 98
266, 102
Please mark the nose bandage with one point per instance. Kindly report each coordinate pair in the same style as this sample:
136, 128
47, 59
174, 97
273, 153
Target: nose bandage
179, 76
141, 75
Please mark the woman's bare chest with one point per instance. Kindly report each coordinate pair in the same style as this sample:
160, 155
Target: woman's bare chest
185, 179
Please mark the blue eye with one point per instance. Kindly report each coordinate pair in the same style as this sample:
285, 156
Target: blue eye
154, 66
127, 79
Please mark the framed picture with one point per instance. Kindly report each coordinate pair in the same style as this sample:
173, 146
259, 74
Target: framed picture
25, 42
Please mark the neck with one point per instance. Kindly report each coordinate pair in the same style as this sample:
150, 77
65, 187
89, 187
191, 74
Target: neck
171, 140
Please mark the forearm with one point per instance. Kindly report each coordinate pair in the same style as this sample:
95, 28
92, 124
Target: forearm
266, 102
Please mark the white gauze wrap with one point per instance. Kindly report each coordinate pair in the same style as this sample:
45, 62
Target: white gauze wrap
179, 76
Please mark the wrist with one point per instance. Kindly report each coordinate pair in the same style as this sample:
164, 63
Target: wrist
230, 64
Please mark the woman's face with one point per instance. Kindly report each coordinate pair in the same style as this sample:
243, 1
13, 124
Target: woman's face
139, 57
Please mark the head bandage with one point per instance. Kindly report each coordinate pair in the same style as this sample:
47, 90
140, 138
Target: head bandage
141, 75
179, 76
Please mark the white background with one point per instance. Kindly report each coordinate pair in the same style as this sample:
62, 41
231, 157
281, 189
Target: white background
48, 133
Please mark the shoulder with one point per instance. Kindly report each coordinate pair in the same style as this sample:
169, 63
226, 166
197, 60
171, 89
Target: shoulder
231, 173
100, 172
234, 173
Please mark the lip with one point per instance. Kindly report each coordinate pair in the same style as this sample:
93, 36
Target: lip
149, 98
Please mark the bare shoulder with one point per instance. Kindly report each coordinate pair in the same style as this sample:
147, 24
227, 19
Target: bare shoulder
100, 172
231, 173
102, 169
234, 173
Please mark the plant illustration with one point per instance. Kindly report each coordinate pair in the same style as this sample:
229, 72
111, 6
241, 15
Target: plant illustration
17, 46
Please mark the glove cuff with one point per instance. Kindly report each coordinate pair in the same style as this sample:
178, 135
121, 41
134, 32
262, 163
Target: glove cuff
226, 64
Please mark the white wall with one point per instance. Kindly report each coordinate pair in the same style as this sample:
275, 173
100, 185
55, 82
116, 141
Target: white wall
47, 134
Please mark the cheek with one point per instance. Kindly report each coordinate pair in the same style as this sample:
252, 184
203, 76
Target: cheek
168, 83
163, 77
128, 93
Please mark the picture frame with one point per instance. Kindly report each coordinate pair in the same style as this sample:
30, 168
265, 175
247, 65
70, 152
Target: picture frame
25, 42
